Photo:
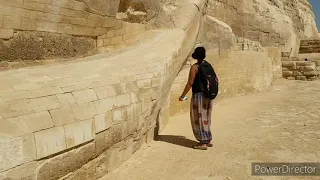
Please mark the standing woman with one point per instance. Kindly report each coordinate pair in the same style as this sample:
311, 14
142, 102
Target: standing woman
201, 106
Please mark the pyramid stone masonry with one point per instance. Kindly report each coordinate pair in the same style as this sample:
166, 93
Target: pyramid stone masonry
109, 73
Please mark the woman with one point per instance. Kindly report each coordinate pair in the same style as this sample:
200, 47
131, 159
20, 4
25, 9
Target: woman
201, 106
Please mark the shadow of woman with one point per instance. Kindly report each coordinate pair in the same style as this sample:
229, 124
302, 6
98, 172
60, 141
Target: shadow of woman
177, 140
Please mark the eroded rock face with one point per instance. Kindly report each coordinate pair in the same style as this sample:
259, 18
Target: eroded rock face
271, 22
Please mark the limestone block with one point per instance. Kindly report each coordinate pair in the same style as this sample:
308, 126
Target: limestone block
65, 28
119, 32
14, 3
26, 86
104, 105
82, 30
37, 121
37, 79
6, 33
52, 9
297, 73
15, 95
305, 63
22, 125
132, 86
11, 22
62, 116
109, 22
99, 42
116, 40
15, 108
84, 111
78, 21
79, 132
33, 6
122, 100
61, 165
302, 78
115, 159
111, 34
17, 151
311, 73
66, 99
26, 171
50, 141
29, 24
39, 15
45, 103
312, 78
103, 121
74, 13
307, 68
85, 96
106, 91
46, 91
287, 73
288, 64
119, 115
50, 27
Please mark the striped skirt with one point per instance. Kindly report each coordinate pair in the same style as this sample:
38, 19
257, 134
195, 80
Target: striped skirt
200, 115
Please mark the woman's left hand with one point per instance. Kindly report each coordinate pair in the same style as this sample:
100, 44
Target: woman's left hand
180, 98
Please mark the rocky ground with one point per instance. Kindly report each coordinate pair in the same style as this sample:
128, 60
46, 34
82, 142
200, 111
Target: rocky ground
282, 125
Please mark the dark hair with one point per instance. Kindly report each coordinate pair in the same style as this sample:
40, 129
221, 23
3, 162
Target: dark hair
199, 53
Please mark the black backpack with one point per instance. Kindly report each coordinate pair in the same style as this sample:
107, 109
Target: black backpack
209, 83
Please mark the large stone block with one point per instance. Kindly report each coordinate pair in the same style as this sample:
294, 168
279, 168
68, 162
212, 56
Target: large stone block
84, 111
47, 91
6, 33
62, 116
50, 141
37, 121
11, 22
85, 96
26, 172
16, 151
26, 86
122, 100
103, 121
15, 108
15, 95
66, 99
45, 103
79, 132
61, 165
104, 105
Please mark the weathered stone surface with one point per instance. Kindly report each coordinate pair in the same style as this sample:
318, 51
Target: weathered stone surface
27, 171
288, 64
62, 116
84, 111
85, 96
16, 151
28, 45
61, 165
15, 108
50, 141
79, 132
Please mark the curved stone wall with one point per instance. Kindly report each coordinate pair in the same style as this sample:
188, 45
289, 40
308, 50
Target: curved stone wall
85, 118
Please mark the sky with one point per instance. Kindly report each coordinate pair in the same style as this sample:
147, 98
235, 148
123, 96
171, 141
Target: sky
316, 10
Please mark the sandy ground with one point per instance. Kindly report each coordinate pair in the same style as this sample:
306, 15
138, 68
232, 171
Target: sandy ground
282, 125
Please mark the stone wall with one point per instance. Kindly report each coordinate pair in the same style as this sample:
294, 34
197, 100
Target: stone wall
83, 119
35, 30
278, 23
300, 70
309, 46
117, 39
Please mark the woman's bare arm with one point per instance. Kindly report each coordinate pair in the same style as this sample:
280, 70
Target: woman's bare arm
192, 75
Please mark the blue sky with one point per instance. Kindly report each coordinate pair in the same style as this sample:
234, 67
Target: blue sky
316, 10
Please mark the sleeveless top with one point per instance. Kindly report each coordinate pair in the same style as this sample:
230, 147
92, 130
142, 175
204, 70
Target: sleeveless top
196, 84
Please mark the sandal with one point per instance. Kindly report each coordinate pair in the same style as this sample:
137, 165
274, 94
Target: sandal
210, 145
200, 147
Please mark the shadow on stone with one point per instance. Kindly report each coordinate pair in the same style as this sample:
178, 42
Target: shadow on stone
177, 140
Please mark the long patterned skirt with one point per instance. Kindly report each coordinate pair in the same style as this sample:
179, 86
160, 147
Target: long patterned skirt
200, 115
